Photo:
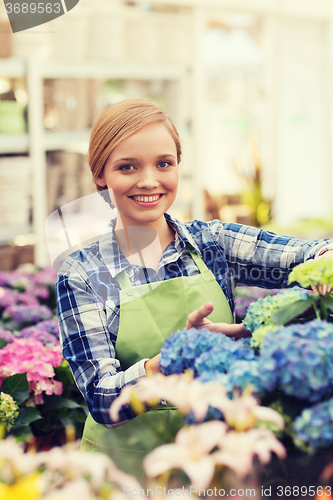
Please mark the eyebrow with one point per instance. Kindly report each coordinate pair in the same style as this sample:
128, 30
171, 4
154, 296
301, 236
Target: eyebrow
167, 155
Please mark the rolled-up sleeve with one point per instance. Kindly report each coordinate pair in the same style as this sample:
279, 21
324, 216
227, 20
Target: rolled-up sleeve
260, 258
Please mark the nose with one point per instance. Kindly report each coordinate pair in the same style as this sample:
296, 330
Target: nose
148, 179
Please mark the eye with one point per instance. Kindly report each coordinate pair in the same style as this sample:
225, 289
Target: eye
164, 164
126, 168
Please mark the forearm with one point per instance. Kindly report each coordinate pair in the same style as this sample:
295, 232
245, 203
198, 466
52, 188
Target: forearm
261, 258
101, 389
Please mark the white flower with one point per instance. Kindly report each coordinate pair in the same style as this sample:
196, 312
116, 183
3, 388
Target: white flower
237, 449
244, 412
181, 391
191, 452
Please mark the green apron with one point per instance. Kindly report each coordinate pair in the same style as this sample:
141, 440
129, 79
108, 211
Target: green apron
149, 313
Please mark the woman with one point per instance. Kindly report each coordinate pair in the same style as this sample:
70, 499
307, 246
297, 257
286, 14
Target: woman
119, 298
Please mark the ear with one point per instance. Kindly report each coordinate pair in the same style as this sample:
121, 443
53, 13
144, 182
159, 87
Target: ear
100, 181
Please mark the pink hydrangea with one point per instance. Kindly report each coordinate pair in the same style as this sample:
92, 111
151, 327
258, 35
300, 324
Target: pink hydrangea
38, 361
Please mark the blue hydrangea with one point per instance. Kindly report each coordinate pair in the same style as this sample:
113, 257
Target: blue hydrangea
259, 312
243, 373
201, 351
220, 359
298, 359
314, 427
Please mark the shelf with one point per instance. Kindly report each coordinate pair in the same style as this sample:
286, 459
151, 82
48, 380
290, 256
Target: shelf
13, 67
16, 68
76, 141
111, 70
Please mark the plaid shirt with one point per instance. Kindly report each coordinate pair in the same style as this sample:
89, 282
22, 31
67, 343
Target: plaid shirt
88, 293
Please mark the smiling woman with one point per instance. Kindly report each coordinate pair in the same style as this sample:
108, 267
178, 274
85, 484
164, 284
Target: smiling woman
141, 174
150, 275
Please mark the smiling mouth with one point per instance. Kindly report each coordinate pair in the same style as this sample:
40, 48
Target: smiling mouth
147, 199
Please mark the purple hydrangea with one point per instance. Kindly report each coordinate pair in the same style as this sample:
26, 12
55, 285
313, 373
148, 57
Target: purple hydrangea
32, 332
49, 325
46, 276
8, 297
7, 336
39, 291
23, 314
4, 278
298, 359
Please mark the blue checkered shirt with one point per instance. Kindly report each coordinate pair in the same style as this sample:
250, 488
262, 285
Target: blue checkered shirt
88, 293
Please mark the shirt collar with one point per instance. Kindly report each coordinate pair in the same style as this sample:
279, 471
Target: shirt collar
110, 252
116, 261
183, 236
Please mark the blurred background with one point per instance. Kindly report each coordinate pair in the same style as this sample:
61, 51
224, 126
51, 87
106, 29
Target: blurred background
248, 84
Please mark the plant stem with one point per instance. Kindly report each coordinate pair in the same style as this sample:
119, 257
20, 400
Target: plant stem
323, 307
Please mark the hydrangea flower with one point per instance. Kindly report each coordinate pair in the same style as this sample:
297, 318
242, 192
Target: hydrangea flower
31, 357
314, 427
299, 360
259, 312
243, 373
39, 291
201, 351
260, 333
10, 297
24, 314
8, 410
7, 336
245, 295
313, 272
46, 276
33, 332
220, 359
48, 327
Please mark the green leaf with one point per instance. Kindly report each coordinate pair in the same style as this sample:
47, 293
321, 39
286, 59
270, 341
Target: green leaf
21, 433
3, 343
287, 313
26, 417
56, 402
328, 301
17, 386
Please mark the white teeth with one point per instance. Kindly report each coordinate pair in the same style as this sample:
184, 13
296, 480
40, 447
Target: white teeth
146, 199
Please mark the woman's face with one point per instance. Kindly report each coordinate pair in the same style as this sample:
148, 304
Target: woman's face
142, 175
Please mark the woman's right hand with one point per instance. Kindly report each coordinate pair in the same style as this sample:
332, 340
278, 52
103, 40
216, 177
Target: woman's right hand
197, 319
151, 366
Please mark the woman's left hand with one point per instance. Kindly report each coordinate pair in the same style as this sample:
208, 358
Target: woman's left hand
198, 319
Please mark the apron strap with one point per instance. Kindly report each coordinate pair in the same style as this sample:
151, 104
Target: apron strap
198, 262
124, 280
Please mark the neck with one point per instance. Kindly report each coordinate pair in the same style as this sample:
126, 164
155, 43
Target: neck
143, 244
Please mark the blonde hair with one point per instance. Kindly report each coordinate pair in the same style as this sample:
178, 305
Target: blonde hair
117, 123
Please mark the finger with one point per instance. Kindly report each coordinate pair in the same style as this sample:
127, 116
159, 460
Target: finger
196, 317
235, 330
